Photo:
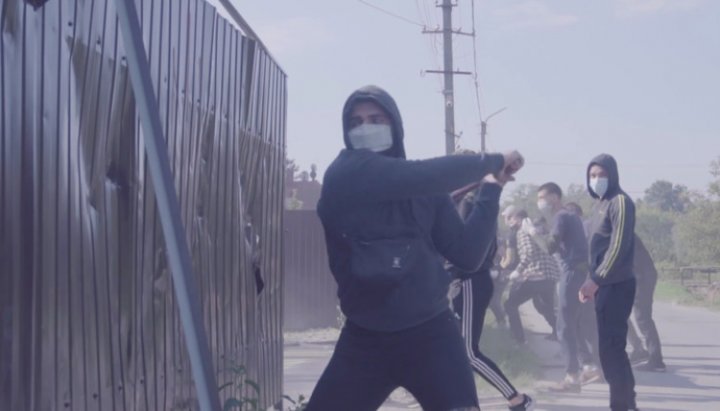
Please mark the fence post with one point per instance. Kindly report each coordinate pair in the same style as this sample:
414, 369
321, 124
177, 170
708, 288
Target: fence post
168, 209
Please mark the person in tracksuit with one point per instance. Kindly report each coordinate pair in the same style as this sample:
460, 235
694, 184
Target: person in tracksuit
612, 280
647, 275
389, 224
471, 305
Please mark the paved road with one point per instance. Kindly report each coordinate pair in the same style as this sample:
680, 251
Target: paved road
691, 343
691, 339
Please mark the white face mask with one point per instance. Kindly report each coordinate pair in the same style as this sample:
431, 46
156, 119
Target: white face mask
544, 206
599, 185
374, 137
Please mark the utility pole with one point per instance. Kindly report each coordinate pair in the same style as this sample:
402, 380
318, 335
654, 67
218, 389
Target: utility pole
449, 90
483, 128
448, 72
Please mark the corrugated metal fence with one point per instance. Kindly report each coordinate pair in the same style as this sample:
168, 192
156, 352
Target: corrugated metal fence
310, 290
88, 314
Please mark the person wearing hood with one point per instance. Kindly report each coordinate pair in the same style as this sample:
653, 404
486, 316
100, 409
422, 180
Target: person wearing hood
612, 280
389, 226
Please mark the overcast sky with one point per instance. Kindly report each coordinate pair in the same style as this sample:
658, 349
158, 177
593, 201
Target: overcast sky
639, 79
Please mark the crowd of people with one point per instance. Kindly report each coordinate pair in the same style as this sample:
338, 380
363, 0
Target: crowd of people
545, 260
414, 249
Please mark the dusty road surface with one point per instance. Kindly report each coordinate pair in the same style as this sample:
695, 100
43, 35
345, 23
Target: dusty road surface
691, 343
691, 339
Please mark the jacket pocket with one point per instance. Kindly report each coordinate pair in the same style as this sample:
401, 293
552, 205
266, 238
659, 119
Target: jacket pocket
384, 263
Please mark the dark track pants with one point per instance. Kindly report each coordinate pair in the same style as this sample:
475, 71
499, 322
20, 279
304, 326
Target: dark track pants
542, 294
588, 351
471, 305
428, 360
613, 304
568, 318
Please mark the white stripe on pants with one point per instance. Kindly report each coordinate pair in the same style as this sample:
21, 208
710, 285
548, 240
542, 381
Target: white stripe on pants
477, 363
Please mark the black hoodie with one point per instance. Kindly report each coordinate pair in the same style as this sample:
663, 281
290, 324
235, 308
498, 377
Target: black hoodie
465, 208
389, 224
612, 229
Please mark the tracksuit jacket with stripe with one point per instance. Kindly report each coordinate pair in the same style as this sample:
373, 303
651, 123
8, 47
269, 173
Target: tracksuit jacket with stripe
612, 229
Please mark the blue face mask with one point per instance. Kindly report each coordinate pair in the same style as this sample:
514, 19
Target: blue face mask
373, 137
599, 186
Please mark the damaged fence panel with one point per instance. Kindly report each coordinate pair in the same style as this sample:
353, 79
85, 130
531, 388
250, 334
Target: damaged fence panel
88, 314
310, 290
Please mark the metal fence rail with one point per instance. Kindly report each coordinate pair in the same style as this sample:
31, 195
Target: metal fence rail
698, 276
89, 318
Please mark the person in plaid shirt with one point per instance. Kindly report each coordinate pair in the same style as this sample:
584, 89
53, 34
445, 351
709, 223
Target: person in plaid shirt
533, 279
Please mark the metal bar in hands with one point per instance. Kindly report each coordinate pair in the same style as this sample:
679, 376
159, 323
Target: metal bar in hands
168, 209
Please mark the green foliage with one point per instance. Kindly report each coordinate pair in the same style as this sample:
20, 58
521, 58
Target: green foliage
249, 401
696, 235
296, 405
675, 293
665, 196
678, 227
655, 228
251, 391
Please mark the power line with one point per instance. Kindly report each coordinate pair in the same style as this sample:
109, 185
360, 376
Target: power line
475, 65
435, 42
430, 15
389, 13
560, 164
431, 43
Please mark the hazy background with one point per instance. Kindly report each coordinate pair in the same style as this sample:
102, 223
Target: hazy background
635, 78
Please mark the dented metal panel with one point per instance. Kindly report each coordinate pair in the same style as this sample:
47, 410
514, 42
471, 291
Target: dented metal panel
310, 290
88, 315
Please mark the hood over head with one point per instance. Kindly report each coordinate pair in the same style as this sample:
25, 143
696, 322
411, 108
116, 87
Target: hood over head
384, 100
608, 163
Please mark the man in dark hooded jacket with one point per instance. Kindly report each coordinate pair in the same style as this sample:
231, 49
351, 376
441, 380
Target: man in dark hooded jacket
389, 225
612, 280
